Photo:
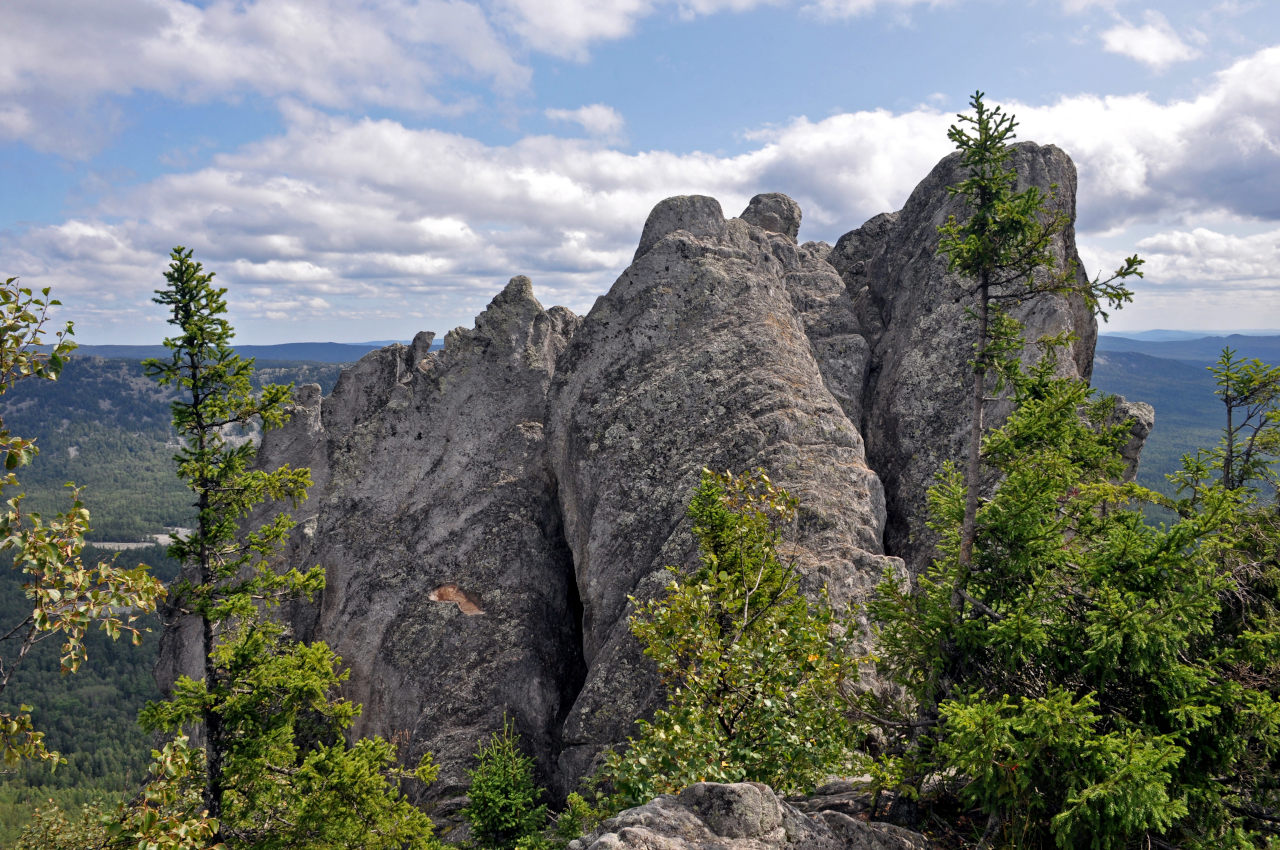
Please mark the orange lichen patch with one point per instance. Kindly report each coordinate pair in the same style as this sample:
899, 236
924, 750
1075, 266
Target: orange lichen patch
468, 603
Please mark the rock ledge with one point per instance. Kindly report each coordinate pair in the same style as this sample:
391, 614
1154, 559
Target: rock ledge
741, 816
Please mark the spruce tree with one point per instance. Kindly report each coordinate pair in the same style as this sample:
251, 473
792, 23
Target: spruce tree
277, 770
502, 798
1250, 393
1107, 682
1002, 253
1073, 674
752, 669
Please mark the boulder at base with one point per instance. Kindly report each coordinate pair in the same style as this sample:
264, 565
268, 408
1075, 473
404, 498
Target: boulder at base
741, 816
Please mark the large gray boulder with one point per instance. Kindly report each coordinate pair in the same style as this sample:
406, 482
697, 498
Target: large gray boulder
742, 816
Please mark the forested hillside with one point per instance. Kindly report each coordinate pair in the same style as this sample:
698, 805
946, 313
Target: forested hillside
1172, 375
105, 426
91, 717
1188, 414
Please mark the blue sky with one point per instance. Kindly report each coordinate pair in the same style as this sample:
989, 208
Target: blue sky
359, 170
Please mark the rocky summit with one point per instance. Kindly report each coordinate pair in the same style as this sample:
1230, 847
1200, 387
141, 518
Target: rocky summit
486, 513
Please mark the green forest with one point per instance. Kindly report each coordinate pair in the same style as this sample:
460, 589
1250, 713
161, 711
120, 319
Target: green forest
106, 427
91, 717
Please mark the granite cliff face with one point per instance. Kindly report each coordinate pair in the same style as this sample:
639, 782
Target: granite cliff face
696, 357
915, 401
450, 591
485, 512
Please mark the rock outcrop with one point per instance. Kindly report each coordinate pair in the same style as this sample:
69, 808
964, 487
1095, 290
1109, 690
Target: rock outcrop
697, 357
743, 816
910, 310
485, 513
450, 592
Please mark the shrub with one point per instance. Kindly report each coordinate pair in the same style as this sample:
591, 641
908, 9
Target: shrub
503, 805
752, 668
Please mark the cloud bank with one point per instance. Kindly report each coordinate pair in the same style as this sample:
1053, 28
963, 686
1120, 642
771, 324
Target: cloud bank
380, 220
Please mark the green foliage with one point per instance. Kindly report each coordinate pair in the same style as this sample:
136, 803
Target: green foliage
752, 669
1004, 249
1250, 394
288, 775
1003, 252
502, 800
163, 817
1088, 679
276, 770
577, 819
63, 595
90, 718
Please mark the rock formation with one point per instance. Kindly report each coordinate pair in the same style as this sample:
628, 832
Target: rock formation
914, 411
743, 816
696, 357
484, 513
449, 588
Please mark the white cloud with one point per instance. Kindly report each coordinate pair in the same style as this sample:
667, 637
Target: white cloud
849, 167
1200, 277
1155, 44
690, 8
15, 122
568, 27
1142, 159
378, 219
1192, 257
60, 58
1076, 6
600, 121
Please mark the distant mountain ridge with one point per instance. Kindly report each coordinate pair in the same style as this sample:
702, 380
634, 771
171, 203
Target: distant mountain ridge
1188, 415
314, 352
1167, 334
1200, 350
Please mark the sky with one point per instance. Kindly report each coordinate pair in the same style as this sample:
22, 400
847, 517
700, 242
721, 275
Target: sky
366, 169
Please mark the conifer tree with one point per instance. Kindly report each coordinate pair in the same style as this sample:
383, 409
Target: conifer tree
1107, 681
226, 576
277, 770
1250, 393
502, 798
752, 668
1003, 254
1080, 677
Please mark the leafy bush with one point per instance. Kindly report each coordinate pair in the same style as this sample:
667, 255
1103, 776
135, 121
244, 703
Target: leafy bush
751, 667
